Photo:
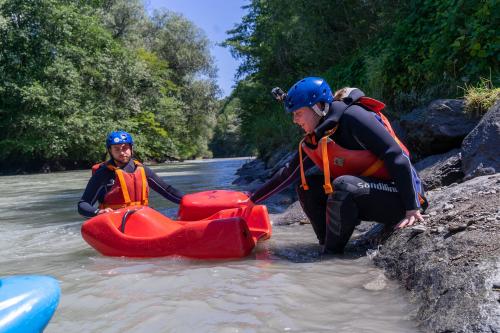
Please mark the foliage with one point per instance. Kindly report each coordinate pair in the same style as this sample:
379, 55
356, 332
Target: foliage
227, 140
74, 70
404, 53
480, 98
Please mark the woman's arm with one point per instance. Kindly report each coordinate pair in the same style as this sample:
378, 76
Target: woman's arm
281, 179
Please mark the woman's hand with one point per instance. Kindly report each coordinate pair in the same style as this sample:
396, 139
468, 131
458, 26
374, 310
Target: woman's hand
105, 210
411, 217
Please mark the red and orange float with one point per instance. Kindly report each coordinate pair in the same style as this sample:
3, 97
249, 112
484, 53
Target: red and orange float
215, 224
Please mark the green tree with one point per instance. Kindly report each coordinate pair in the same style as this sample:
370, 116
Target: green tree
73, 71
404, 53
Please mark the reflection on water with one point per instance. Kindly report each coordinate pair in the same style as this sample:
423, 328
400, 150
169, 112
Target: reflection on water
285, 285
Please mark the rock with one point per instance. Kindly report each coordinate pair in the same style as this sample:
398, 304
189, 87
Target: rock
419, 228
448, 206
276, 157
441, 170
243, 180
481, 146
293, 214
281, 162
442, 126
449, 277
457, 228
255, 173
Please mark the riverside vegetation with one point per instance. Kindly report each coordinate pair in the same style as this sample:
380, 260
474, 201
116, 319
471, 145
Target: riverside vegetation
404, 53
71, 71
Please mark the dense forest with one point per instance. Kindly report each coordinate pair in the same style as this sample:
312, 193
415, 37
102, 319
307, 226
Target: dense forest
404, 53
73, 70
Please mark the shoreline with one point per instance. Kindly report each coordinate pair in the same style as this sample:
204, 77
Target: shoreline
449, 265
148, 163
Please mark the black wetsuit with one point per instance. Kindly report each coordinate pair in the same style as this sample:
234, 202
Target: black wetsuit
334, 217
103, 179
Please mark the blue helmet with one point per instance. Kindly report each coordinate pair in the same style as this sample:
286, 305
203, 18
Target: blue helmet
308, 92
118, 138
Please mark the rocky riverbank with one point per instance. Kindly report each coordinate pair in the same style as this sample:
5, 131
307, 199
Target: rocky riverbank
450, 264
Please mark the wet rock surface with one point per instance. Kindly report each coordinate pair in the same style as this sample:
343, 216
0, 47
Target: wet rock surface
452, 263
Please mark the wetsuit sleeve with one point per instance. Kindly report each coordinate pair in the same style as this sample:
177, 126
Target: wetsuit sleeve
160, 186
90, 195
282, 178
371, 134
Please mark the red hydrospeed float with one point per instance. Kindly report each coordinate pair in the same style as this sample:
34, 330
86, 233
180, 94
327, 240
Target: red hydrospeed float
212, 225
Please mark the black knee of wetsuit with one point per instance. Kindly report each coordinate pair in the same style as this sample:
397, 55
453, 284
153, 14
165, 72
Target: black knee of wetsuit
313, 202
355, 199
341, 215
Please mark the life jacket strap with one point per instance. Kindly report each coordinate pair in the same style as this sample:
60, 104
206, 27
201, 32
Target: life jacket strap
303, 181
118, 206
326, 164
323, 145
144, 185
123, 185
373, 168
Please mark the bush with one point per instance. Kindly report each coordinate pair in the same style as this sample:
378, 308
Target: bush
480, 98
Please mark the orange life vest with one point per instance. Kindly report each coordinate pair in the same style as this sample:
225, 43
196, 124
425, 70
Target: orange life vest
129, 189
336, 161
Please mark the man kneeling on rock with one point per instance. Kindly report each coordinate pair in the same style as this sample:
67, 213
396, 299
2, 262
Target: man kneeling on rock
366, 170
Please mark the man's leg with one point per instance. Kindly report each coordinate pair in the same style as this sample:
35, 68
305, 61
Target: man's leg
355, 199
313, 202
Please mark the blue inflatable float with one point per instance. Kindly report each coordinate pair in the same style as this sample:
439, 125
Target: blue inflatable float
27, 303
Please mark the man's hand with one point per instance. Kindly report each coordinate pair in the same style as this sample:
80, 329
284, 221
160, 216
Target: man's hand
246, 203
105, 210
411, 217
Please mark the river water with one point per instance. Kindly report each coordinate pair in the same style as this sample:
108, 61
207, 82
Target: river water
284, 286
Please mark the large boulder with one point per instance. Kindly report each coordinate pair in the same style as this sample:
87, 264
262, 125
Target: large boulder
437, 128
480, 149
451, 262
440, 170
250, 171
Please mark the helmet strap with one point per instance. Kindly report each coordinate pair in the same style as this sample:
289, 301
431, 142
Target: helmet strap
320, 112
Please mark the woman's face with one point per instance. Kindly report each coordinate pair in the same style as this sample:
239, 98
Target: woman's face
306, 118
121, 153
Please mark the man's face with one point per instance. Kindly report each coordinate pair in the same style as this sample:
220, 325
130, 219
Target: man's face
306, 118
121, 153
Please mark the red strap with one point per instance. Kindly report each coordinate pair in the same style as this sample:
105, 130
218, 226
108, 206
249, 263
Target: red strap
371, 103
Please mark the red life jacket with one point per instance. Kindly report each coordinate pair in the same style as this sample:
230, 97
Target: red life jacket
129, 189
336, 161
